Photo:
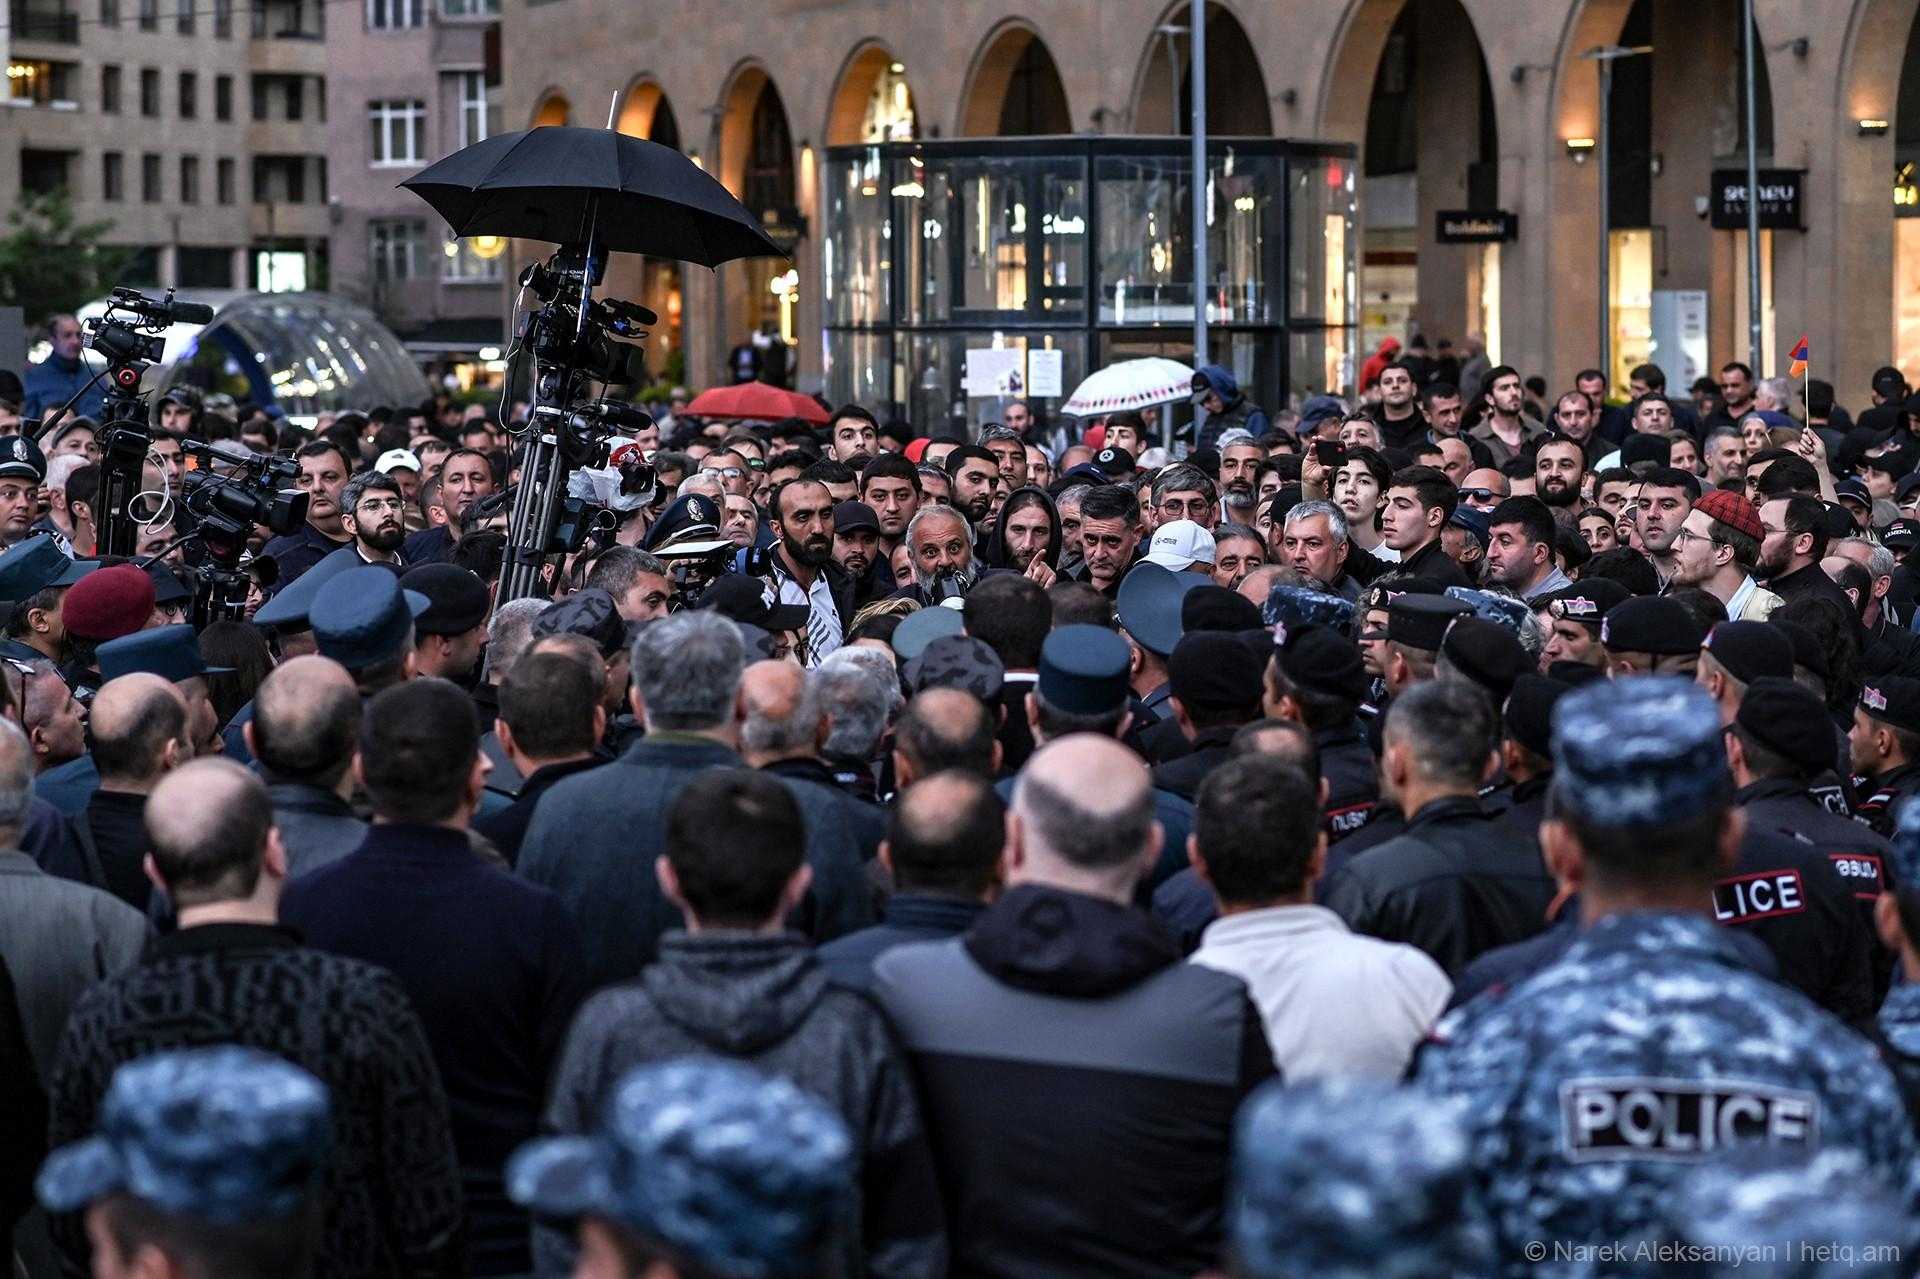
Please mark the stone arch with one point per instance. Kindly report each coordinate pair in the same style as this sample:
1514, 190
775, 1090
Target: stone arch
553, 108
645, 112
1237, 102
870, 68
1014, 87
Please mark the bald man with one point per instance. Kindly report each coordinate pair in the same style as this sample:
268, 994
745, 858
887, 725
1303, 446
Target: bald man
1076, 1005
945, 728
784, 732
305, 717
140, 734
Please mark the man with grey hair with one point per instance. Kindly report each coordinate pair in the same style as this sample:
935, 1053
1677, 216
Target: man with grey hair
509, 634
784, 730
1313, 541
594, 834
859, 692
1182, 492
1075, 1004
940, 546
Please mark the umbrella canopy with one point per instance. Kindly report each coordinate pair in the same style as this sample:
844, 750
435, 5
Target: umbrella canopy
542, 184
757, 401
1130, 384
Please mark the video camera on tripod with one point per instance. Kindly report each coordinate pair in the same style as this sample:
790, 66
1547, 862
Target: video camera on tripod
228, 495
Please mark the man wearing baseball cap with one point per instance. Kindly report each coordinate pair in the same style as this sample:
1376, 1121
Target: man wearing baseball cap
1716, 550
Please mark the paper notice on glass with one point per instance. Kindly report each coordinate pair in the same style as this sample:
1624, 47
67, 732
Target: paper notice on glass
1043, 373
995, 371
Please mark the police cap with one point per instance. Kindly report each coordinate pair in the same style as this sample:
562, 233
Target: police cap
1421, 621
1644, 751
1083, 670
1650, 624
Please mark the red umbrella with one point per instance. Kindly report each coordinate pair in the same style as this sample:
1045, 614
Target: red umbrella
758, 401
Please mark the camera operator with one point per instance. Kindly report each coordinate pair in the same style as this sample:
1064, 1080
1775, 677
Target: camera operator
372, 511
178, 413
324, 469
802, 566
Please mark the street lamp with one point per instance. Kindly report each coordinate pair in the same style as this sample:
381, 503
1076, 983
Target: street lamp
1606, 56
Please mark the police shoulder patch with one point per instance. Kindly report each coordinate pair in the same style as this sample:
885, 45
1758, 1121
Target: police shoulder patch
1690, 1119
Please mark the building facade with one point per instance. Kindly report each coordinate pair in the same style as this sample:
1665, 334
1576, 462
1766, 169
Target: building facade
1484, 107
256, 144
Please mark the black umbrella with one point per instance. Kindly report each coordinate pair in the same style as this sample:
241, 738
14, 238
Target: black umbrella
559, 183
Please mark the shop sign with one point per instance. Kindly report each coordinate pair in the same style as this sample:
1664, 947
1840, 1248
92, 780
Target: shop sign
1779, 199
1486, 226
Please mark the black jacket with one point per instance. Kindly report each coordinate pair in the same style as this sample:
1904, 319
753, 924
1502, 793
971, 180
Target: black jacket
107, 846
1434, 564
508, 826
1889, 649
1212, 747
1524, 805
299, 551
1080, 1085
1811, 581
1347, 767
1882, 796
1457, 883
767, 1002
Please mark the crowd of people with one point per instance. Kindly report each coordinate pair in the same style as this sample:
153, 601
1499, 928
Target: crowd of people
1449, 833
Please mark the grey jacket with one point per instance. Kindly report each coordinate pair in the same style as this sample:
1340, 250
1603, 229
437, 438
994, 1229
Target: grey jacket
316, 825
766, 1001
59, 937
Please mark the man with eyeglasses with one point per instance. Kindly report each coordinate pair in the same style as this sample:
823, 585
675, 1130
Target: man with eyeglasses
373, 511
1182, 492
1716, 550
731, 469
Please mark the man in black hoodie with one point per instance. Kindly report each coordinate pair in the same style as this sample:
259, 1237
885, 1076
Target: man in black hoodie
738, 984
1080, 1081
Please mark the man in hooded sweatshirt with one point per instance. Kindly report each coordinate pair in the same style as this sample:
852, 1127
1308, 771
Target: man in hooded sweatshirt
1216, 390
737, 983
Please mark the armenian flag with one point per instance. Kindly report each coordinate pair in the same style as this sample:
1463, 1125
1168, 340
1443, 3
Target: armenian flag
1799, 357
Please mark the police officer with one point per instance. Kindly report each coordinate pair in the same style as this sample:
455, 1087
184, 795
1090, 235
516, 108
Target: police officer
1897, 919
1352, 1178
1315, 678
1651, 635
1416, 626
1526, 751
1594, 1089
1831, 1222
1148, 606
34, 577
206, 1161
1572, 616
699, 1168
1884, 746
1779, 741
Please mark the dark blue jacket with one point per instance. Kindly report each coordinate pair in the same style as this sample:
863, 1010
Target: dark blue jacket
52, 382
909, 917
299, 551
428, 546
493, 966
506, 828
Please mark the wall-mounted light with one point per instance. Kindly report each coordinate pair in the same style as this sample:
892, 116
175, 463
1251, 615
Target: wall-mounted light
1579, 149
1871, 127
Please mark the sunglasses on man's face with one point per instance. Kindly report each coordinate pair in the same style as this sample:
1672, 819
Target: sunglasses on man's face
1477, 495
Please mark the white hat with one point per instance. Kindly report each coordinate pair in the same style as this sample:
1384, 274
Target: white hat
1178, 544
393, 459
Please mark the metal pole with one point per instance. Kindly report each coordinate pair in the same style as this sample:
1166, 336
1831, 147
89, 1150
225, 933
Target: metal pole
1605, 159
1755, 352
1197, 82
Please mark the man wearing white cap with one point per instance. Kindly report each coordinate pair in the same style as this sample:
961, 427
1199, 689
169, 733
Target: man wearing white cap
403, 467
1181, 545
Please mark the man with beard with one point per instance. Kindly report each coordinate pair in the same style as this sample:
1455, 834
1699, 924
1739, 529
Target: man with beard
1240, 459
853, 436
1505, 430
1109, 537
1716, 551
1397, 415
940, 550
973, 471
1009, 450
856, 548
1793, 542
1520, 535
323, 474
802, 566
1666, 496
372, 511
1557, 469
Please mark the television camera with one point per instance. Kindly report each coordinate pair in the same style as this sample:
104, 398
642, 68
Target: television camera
227, 495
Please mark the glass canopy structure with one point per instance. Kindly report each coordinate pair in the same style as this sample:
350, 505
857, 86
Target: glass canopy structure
1080, 245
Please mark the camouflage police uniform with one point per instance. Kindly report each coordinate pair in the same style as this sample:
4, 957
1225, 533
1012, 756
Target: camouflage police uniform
1594, 1088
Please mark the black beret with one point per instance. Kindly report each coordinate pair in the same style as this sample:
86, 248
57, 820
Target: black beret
1529, 711
1789, 720
1650, 624
457, 600
1421, 621
1215, 608
1487, 653
1894, 700
1574, 673
1646, 448
1216, 671
1322, 660
1807, 650
1751, 650
1586, 601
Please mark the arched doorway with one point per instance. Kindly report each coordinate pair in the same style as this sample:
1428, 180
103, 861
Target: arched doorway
655, 283
1430, 143
646, 113
1015, 89
553, 109
1236, 89
1906, 210
873, 102
760, 296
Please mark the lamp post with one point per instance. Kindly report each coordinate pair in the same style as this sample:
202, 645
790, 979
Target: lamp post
1606, 56
1755, 352
1197, 81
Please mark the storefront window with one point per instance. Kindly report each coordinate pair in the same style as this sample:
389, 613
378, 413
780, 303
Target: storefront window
1319, 362
1630, 271
1321, 232
859, 368
857, 267
1244, 234
925, 200
940, 397
1146, 262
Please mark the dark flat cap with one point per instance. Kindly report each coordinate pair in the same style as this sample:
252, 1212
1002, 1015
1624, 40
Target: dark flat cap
1215, 608
849, 517
1215, 671
1322, 660
1751, 650
361, 617
1789, 720
171, 652
1894, 700
1807, 649
1149, 604
1083, 670
1421, 621
1586, 601
31, 566
1487, 653
1528, 713
590, 613
457, 600
1650, 624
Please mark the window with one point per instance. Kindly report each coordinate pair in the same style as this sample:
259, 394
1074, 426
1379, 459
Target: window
296, 96
183, 16
112, 180
223, 19
109, 13
223, 97
149, 92
44, 172
223, 180
469, 8
40, 82
149, 15
399, 132
395, 247
259, 88
189, 179
395, 15
464, 266
473, 107
189, 95
110, 90
150, 178
280, 179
